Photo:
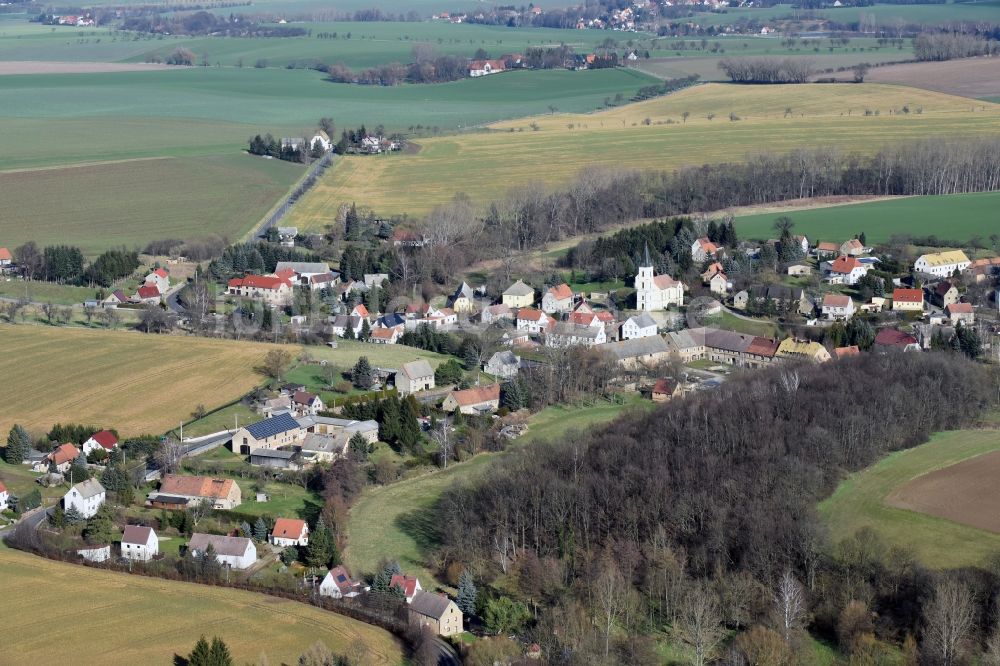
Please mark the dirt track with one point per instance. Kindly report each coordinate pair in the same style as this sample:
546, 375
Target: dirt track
965, 493
968, 77
37, 67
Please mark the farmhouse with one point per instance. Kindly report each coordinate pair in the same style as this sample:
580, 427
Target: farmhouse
410, 585
236, 552
277, 431
838, 307
177, 491
86, 497
638, 326
307, 403
702, 249
941, 264
386, 336
485, 67
317, 448
637, 352
666, 388
656, 292
792, 348
982, 269
139, 544
568, 334
518, 295
478, 400
557, 299
944, 294
503, 365
272, 406
114, 299
437, 612
719, 284
852, 248
160, 279
737, 349
147, 294
889, 339
531, 320
103, 439
290, 532
908, 300
827, 249
414, 376
960, 313
846, 270
62, 457
337, 584
273, 290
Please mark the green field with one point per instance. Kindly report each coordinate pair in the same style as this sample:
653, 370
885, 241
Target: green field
886, 16
397, 521
967, 215
162, 617
131, 203
730, 322
859, 502
45, 292
486, 165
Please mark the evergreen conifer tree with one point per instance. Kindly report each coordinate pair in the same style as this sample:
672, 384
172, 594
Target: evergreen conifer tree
201, 654
467, 594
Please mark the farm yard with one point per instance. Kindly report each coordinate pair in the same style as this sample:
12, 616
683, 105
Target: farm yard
873, 498
167, 615
968, 215
485, 165
139, 384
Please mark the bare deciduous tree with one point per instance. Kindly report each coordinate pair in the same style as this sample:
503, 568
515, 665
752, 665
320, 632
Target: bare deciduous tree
699, 625
168, 456
948, 620
789, 605
611, 594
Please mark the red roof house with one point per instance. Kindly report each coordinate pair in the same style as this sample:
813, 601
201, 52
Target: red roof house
290, 532
409, 584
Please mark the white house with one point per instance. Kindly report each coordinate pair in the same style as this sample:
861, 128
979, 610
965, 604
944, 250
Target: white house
340, 324
104, 439
338, 585
322, 138
638, 326
503, 364
557, 299
414, 376
485, 67
302, 271
236, 552
86, 497
719, 284
4, 497
271, 289
410, 585
702, 249
531, 320
290, 532
160, 279
838, 307
307, 403
941, 264
139, 543
846, 270
656, 292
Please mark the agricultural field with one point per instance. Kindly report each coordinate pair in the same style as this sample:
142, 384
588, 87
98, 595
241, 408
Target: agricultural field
131, 203
968, 77
397, 521
45, 292
169, 616
871, 498
968, 215
556, 147
886, 16
139, 384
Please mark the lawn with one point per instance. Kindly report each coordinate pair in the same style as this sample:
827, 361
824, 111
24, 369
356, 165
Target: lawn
226, 418
132, 203
45, 292
163, 618
348, 352
860, 502
397, 521
484, 165
968, 215
134, 382
730, 322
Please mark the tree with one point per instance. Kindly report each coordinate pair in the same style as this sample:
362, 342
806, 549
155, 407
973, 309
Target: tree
72, 517
700, 623
201, 654
790, 606
276, 363
168, 456
101, 528
219, 653
949, 619
18, 445
504, 615
466, 599
78, 470
860, 71
320, 546
611, 597
260, 530
358, 447
449, 372
362, 374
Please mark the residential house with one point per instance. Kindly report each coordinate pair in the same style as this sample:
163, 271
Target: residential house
907, 300
86, 497
177, 491
960, 313
518, 295
114, 299
980, 270
278, 431
852, 248
340, 324
656, 292
557, 299
637, 352
638, 326
237, 552
846, 270
6, 258
714, 267
686, 347
719, 284
323, 139
103, 439
276, 459
838, 307
302, 271
160, 279
386, 336
792, 348
783, 298
741, 299
941, 264
317, 448
271, 289
147, 294
803, 243
944, 294
827, 250
846, 352
500, 312
437, 612
890, 339
531, 320
702, 249
62, 457
290, 532
477, 400
666, 388
139, 543
322, 281
414, 376
4, 497
276, 405
307, 403
503, 365
337, 584
485, 67
463, 300
360, 311
568, 334
403, 238
408, 584
799, 270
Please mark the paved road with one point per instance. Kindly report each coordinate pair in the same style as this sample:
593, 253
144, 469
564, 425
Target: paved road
446, 654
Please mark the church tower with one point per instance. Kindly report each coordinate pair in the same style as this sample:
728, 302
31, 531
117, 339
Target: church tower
644, 283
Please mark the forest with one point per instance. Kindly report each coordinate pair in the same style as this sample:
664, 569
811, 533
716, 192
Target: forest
700, 519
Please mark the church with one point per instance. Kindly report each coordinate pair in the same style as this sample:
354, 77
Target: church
656, 292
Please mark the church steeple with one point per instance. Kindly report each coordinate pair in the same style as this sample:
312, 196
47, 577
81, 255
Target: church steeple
646, 262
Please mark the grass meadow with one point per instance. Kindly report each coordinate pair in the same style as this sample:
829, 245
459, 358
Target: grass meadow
485, 165
967, 215
886, 16
163, 617
860, 502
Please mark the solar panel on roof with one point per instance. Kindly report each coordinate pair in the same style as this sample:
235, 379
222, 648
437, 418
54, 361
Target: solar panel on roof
341, 578
270, 427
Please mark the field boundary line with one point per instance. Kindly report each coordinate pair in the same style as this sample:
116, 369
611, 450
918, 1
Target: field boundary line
81, 165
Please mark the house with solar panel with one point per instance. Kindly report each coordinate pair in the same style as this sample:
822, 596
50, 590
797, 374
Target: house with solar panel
279, 431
